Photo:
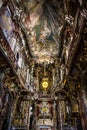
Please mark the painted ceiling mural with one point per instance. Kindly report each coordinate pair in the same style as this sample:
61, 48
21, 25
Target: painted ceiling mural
42, 22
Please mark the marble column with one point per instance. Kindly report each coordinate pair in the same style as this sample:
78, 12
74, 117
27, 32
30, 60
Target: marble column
10, 112
28, 119
54, 116
61, 114
8, 107
82, 99
2, 95
83, 107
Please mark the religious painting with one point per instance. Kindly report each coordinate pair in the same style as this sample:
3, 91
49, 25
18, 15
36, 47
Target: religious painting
6, 23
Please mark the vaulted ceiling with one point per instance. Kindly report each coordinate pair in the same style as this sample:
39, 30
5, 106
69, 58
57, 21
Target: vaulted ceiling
42, 21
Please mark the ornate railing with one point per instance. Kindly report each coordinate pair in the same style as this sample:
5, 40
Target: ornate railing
8, 51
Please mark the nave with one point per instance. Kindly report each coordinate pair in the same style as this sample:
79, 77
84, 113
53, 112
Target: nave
43, 65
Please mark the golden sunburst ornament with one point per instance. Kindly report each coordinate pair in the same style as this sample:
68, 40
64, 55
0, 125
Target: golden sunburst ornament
45, 84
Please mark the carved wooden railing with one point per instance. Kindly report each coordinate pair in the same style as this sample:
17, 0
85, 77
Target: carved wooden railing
8, 51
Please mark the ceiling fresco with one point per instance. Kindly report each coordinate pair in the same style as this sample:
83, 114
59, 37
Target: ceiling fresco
42, 21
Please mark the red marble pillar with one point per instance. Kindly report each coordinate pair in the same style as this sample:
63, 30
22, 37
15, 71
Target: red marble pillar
83, 107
